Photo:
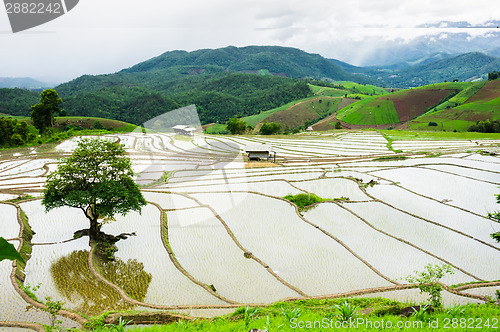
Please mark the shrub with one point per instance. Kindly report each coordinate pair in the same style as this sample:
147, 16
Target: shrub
303, 200
428, 281
433, 124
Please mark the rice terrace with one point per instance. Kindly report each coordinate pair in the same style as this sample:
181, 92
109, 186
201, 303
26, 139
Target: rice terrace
220, 232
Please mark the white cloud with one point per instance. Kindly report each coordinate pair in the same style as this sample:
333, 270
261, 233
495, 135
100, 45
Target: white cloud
100, 36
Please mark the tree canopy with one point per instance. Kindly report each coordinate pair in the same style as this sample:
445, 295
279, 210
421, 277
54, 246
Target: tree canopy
43, 113
96, 178
236, 126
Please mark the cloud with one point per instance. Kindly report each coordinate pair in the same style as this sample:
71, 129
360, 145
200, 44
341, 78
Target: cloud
100, 36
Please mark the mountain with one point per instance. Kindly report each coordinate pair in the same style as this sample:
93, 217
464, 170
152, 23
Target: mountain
276, 60
22, 82
446, 41
434, 69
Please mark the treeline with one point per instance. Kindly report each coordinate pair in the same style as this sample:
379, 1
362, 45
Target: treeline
486, 127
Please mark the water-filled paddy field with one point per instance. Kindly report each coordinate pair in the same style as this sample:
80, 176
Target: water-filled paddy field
218, 234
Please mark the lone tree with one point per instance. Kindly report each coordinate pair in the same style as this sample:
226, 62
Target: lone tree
96, 178
43, 113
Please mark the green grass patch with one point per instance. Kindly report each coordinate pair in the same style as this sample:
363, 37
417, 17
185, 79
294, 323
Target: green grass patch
304, 200
328, 314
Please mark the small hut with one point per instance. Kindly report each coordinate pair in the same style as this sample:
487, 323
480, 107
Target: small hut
260, 151
184, 130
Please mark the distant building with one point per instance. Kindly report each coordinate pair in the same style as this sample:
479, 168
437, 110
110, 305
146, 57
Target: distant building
184, 130
260, 151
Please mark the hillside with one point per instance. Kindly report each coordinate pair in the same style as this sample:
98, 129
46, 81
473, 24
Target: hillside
328, 99
453, 105
479, 106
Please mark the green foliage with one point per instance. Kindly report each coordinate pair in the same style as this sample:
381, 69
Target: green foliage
13, 132
428, 281
494, 75
96, 178
433, 124
338, 125
304, 200
345, 312
139, 97
8, 251
456, 311
43, 114
486, 127
17, 101
250, 315
236, 126
291, 313
270, 128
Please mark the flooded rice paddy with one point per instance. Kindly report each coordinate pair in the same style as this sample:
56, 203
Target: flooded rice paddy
217, 233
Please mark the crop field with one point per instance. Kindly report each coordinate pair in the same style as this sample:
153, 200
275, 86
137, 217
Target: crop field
218, 234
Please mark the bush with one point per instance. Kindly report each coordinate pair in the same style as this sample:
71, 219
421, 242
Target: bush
270, 128
338, 125
433, 124
303, 200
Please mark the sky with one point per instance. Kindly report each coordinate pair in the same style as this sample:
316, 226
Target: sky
104, 36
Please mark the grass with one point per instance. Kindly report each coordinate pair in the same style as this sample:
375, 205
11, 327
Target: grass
327, 314
396, 135
369, 111
304, 200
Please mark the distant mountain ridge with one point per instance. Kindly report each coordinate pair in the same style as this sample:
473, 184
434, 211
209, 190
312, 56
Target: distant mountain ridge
434, 69
22, 82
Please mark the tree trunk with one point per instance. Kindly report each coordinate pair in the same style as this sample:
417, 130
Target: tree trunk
95, 228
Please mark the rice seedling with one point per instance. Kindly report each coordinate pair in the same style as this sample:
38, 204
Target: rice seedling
345, 311
472, 195
460, 220
457, 249
220, 262
296, 251
9, 227
333, 188
57, 225
147, 248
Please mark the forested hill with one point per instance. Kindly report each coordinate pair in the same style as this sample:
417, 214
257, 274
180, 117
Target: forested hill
276, 60
217, 97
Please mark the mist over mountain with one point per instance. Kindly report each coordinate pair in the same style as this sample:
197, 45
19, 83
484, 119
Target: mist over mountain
414, 51
22, 82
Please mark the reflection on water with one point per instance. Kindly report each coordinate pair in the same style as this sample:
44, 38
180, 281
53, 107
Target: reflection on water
75, 282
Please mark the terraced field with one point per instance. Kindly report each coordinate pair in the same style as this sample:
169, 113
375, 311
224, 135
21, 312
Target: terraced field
218, 234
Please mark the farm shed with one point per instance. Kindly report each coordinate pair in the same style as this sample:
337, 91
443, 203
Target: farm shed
260, 151
184, 130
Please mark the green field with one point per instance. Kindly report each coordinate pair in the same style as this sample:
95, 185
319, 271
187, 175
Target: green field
369, 111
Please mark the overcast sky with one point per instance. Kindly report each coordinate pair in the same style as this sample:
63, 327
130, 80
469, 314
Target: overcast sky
104, 36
